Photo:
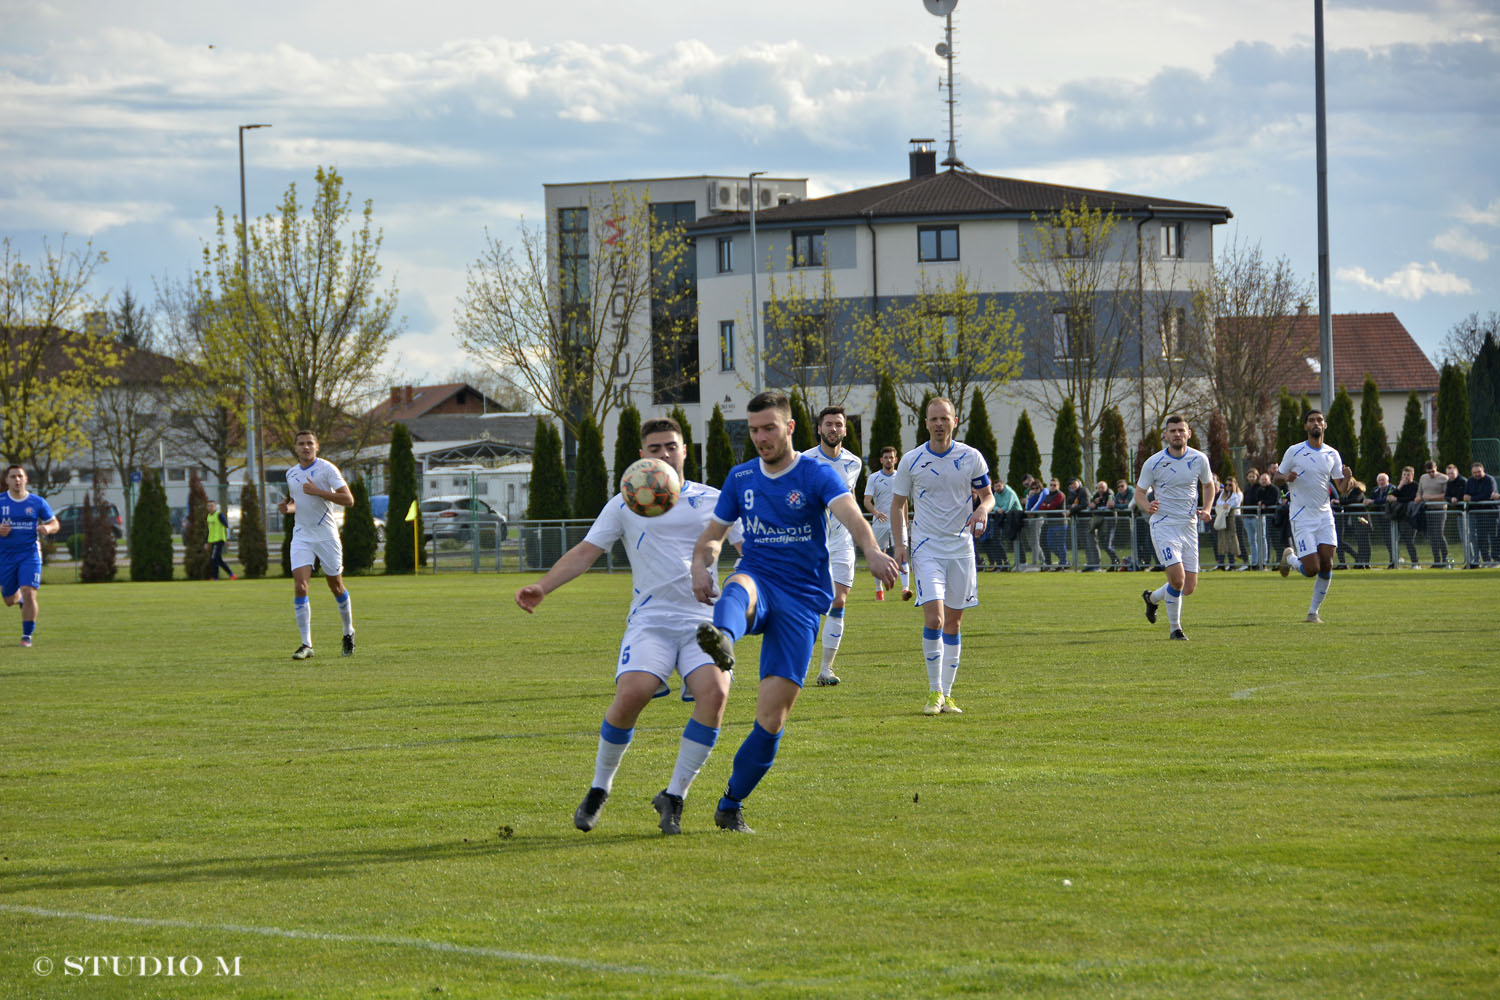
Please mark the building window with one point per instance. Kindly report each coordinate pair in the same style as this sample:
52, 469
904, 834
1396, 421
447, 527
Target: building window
1173, 330
1171, 239
573, 255
937, 243
726, 254
674, 309
1070, 335
177, 475
807, 248
1069, 242
726, 345
809, 345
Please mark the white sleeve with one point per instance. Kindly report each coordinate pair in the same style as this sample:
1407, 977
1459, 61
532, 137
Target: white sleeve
607, 527
333, 479
1146, 479
1286, 461
901, 480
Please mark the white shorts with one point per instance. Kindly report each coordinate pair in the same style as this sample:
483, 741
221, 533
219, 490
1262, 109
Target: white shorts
841, 566
659, 650
1311, 530
328, 551
1176, 543
944, 573
883, 533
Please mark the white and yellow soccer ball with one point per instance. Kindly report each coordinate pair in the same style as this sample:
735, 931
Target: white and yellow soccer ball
650, 487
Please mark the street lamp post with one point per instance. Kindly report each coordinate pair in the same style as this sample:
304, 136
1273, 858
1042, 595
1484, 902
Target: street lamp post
252, 429
754, 295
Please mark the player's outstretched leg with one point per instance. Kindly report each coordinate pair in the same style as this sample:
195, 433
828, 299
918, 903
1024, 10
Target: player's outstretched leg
753, 759
1150, 606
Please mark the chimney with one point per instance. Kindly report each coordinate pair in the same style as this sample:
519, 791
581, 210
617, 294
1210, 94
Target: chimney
1302, 309
395, 396
407, 391
923, 157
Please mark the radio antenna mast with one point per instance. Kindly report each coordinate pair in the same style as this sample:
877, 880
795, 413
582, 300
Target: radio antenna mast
944, 9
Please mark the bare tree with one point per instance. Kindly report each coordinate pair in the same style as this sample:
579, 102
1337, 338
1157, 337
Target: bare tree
1463, 340
1245, 338
52, 366
205, 389
810, 335
1083, 314
584, 324
130, 324
1168, 377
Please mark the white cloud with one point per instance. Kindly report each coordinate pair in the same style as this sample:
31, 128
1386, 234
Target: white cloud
1411, 282
1487, 216
1457, 241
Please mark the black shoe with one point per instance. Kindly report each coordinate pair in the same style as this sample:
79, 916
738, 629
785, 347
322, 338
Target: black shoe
717, 644
732, 820
1151, 606
1177, 634
349, 644
670, 808
586, 817
304, 652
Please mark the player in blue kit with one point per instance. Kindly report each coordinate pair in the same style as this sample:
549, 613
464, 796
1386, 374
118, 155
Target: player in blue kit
24, 518
781, 586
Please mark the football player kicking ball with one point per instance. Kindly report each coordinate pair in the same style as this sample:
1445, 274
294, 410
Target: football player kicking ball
24, 518
781, 586
314, 486
878, 502
1176, 473
830, 451
949, 482
660, 631
1308, 469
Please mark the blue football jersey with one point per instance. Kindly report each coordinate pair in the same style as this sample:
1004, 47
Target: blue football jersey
782, 517
23, 516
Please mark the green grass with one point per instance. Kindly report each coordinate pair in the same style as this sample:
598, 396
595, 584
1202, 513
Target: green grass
1271, 810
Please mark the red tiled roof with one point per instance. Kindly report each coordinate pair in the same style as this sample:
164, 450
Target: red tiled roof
1373, 344
423, 398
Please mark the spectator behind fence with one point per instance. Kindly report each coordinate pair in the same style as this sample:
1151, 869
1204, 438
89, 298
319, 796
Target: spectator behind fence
1053, 527
1453, 496
1035, 494
1261, 499
1250, 519
1354, 525
1483, 521
1377, 503
1102, 523
1432, 490
1227, 523
1080, 521
1124, 500
1401, 505
1008, 513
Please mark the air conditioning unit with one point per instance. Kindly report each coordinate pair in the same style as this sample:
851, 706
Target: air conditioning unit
722, 197
767, 196
744, 199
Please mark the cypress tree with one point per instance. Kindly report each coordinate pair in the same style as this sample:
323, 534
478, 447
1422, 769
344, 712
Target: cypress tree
922, 417
195, 561
288, 526
1145, 448
1340, 433
151, 533
1453, 432
403, 491
252, 544
720, 450
885, 429
627, 442
1411, 444
1374, 449
979, 435
549, 480
1114, 462
1067, 446
1289, 424
851, 445
1025, 457
691, 467
1484, 390
804, 434
1219, 458
361, 544
750, 452
98, 556
592, 491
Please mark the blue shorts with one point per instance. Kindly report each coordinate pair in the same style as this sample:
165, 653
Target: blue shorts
20, 569
788, 628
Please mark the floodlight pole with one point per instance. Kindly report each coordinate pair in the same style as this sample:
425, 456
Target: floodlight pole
754, 293
252, 429
1325, 296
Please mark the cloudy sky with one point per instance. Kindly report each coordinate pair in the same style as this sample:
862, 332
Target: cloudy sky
118, 121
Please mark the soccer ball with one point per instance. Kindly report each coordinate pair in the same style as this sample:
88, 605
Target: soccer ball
650, 487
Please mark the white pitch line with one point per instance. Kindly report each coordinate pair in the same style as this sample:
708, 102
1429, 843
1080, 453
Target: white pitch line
443, 947
1251, 692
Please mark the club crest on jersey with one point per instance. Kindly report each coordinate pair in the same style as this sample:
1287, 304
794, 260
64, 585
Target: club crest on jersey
795, 500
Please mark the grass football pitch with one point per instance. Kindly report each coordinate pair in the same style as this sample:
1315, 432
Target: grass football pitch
1273, 809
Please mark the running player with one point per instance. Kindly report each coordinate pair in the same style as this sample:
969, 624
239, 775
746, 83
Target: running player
949, 483
314, 486
1176, 473
24, 518
781, 585
660, 631
832, 429
1309, 469
878, 502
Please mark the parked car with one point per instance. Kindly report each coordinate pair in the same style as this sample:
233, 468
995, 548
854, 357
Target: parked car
71, 519
459, 517
379, 504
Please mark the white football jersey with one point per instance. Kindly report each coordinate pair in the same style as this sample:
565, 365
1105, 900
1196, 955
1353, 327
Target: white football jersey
940, 487
314, 517
847, 466
660, 550
1176, 483
880, 487
1316, 469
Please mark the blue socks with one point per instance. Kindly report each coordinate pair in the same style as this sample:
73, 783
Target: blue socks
731, 609
751, 762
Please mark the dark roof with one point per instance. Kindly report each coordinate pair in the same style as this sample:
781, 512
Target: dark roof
508, 428
1373, 344
394, 408
956, 192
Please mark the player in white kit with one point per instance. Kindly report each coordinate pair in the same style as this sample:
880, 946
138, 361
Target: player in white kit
832, 429
314, 485
949, 484
879, 489
1309, 469
1177, 474
660, 631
